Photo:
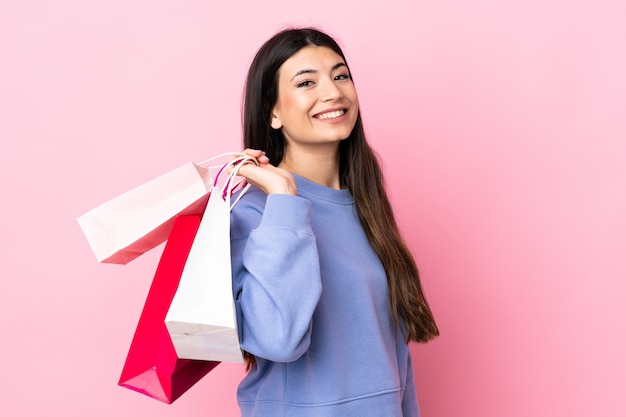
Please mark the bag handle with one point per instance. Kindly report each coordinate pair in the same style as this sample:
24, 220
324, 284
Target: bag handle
207, 162
231, 184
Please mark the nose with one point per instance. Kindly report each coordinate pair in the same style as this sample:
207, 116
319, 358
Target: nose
330, 90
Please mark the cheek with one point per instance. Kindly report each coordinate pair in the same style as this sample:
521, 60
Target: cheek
354, 98
297, 102
288, 105
289, 102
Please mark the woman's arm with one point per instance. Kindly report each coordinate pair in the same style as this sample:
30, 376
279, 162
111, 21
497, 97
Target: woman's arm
276, 275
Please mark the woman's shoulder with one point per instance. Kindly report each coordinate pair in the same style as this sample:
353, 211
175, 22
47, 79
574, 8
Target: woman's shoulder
255, 208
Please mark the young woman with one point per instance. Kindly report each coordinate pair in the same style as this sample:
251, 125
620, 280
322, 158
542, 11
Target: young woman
326, 291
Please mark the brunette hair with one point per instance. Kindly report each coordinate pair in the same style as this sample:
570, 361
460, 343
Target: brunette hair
359, 172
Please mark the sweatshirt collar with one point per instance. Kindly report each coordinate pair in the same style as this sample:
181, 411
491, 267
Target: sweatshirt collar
312, 188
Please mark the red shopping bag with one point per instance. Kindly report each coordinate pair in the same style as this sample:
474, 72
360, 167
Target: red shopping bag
152, 366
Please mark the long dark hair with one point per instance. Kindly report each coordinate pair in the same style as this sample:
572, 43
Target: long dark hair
359, 172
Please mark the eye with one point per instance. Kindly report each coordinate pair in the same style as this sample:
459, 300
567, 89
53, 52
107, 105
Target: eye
341, 77
307, 83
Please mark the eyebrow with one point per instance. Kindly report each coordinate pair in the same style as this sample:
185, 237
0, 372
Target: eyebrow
312, 71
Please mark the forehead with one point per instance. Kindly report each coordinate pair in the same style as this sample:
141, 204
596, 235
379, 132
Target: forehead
316, 58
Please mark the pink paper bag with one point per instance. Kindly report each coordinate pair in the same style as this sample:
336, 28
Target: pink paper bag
131, 224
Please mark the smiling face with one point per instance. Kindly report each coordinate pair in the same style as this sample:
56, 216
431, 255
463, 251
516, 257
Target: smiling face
317, 103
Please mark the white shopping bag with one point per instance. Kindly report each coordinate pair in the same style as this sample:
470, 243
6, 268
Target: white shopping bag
131, 224
201, 320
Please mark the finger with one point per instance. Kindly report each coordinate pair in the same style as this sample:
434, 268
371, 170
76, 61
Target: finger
255, 153
260, 156
246, 169
263, 159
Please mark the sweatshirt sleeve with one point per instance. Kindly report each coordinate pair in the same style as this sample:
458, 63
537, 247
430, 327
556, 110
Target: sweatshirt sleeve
276, 275
410, 407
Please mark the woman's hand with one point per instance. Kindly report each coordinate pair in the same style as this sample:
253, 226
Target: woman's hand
270, 179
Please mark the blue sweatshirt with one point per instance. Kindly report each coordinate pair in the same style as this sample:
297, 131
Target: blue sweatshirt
312, 305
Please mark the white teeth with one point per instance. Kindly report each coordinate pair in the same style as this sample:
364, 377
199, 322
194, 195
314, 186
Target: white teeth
331, 114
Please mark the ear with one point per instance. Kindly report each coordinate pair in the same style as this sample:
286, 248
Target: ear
275, 122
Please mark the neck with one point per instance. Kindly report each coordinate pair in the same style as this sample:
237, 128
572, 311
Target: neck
318, 165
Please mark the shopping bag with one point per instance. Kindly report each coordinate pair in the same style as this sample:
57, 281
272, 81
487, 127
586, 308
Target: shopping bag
201, 320
131, 224
152, 366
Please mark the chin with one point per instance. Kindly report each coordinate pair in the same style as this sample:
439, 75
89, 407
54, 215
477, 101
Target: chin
340, 134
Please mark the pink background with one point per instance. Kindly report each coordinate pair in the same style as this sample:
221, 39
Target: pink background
502, 127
